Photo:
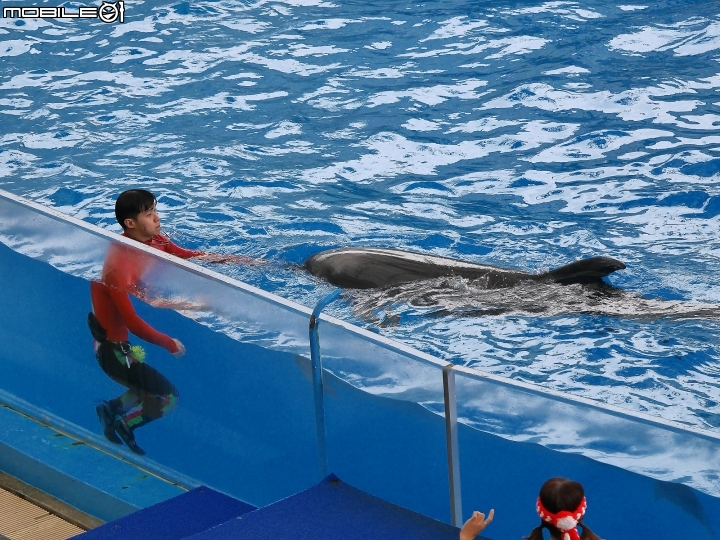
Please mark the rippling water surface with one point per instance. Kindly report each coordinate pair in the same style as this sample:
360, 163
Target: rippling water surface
524, 135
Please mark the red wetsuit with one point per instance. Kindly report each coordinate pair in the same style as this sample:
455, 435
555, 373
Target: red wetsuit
122, 271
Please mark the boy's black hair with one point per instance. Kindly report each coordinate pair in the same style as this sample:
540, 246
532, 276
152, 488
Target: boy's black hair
132, 202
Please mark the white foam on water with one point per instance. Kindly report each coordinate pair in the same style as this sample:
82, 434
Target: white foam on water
564, 9
631, 105
300, 50
486, 124
123, 54
417, 124
379, 45
570, 70
284, 129
393, 154
516, 45
328, 24
145, 26
455, 27
430, 95
595, 145
222, 100
16, 47
251, 26
692, 37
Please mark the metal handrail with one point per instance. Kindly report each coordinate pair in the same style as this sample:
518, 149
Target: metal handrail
451, 429
317, 375
453, 448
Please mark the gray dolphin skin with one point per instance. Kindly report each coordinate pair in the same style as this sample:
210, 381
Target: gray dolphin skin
372, 268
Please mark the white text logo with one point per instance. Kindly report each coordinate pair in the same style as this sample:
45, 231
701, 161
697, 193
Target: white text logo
108, 12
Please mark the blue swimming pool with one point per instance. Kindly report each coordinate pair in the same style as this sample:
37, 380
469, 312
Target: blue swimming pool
245, 423
525, 136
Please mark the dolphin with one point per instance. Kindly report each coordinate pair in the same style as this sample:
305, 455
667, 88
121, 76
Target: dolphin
375, 268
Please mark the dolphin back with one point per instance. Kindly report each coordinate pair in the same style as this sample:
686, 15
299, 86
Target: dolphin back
371, 268
584, 271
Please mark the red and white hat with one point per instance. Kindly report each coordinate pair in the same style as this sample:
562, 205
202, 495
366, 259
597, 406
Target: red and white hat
566, 522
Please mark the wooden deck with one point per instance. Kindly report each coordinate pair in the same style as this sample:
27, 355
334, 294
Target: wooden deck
22, 520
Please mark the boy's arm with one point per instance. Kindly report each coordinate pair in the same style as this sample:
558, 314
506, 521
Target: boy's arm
183, 253
136, 325
222, 258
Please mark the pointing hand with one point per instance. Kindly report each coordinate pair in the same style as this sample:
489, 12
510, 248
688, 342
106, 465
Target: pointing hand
475, 525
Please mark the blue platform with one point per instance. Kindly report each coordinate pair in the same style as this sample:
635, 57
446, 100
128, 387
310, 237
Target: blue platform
180, 517
329, 510
77, 473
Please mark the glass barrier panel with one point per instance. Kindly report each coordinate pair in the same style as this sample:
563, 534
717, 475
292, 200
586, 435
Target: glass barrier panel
80, 249
235, 414
379, 365
384, 434
643, 477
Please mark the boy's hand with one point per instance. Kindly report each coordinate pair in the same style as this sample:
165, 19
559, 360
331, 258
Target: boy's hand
228, 258
181, 349
475, 525
177, 304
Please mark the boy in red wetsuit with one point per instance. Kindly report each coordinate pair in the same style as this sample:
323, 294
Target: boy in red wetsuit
149, 394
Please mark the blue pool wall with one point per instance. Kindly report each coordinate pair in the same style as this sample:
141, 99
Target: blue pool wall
245, 423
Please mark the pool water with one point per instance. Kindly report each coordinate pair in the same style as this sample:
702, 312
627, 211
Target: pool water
525, 136
245, 425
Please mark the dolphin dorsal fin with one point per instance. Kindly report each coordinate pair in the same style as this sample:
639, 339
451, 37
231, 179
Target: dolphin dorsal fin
585, 271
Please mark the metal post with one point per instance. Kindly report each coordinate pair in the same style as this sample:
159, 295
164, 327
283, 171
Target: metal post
453, 452
318, 389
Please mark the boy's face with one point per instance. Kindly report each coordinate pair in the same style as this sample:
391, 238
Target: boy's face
145, 226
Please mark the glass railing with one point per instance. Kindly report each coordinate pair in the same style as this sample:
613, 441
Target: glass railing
643, 476
393, 448
247, 419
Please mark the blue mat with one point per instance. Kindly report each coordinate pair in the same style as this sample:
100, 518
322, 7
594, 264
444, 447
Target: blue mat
176, 518
331, 510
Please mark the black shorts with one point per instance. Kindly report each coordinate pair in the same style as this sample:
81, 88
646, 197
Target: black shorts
138, 376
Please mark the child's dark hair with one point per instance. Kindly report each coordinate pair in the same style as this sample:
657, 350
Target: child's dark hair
556, 495
132, 202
